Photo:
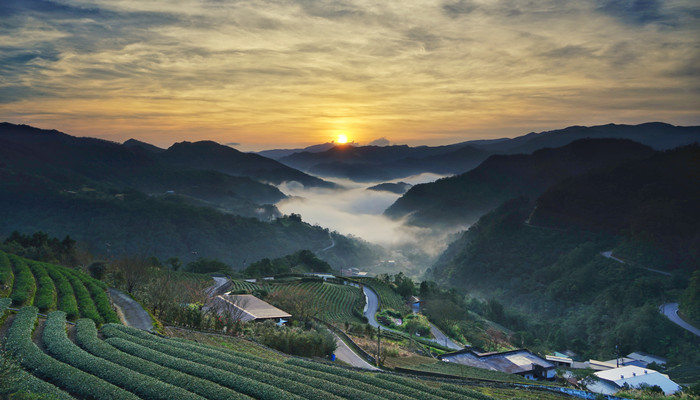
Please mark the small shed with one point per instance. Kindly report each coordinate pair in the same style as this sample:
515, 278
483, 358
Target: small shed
414, 302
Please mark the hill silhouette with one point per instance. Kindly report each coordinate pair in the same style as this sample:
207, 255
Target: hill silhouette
462, 199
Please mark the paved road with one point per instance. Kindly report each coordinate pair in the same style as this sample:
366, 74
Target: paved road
373, 306
608, 254
219, 281
134, 314
332, 243
443, 339
670, 310
346, 355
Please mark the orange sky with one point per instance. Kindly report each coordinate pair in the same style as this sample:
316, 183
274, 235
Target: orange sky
295, 73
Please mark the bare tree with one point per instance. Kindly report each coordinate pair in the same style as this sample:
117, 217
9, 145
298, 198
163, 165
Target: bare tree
161, 292
133, 270
300, 303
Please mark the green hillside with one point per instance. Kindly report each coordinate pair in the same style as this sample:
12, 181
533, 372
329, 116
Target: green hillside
462, 199
126, 363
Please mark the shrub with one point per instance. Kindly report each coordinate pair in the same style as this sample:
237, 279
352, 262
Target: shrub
66, 297
86, 337
6, 276
45, 298
25, 286
85, 303
102, 303
75, 381
318, 342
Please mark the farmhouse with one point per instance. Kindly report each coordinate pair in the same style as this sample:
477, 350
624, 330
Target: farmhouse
246, 307
521, 362
613, 380
414, 303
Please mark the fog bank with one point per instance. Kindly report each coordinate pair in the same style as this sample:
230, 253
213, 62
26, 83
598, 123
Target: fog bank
354, 210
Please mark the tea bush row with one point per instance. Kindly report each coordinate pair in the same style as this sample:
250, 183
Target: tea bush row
45, 298
86, 337
275, 376
73, 380
238, 383
335, 386
366, 378
60, 347
24, 284
66, 297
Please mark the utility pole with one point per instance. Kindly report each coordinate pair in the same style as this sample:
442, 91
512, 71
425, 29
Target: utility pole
379, 336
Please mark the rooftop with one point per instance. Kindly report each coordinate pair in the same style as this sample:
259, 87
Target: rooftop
635, 376
253, 308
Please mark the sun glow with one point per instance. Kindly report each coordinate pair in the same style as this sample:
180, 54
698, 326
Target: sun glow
342, 139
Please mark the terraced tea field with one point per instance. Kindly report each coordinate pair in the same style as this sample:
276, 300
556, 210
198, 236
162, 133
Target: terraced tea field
127, 363
52, 287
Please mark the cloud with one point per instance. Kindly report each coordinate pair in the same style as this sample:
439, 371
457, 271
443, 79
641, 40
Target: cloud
290, 73
357, 211
232, 144
380, 142
634, 11
458, 8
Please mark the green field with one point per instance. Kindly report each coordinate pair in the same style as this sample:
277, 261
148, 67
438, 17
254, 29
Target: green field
127, 363
388, 298
52, 287
335, 301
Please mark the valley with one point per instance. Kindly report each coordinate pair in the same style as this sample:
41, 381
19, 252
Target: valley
525, 252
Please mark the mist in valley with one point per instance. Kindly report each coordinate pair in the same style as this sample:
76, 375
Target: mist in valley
354, 210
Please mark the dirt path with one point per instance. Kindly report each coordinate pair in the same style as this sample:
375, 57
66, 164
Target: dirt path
131, 311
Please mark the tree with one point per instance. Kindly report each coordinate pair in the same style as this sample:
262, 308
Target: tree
205, 266
301, 303
132, 270
174, 263
98, 269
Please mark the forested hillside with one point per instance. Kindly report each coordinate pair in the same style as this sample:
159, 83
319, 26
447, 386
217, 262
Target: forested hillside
543, 259
462, 199
125, 200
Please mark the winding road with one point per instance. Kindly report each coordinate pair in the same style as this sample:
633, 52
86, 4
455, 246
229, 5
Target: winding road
373, 306
219, 282
346, 355
670, 310
133, 314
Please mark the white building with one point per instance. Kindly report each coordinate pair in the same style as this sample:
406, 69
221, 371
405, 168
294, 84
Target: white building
613, 380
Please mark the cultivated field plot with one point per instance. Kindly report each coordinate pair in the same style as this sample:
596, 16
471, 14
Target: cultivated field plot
52, 287
388, 298
335, 301
127, 363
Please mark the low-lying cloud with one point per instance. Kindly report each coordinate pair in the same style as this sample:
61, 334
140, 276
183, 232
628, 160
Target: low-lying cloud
356, 211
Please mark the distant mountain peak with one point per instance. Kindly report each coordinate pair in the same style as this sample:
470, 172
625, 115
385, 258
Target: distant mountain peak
132, 143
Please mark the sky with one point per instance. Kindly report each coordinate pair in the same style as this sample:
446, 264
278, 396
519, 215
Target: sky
285, 74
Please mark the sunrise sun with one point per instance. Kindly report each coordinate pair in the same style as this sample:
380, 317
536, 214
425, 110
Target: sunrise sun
342, 139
